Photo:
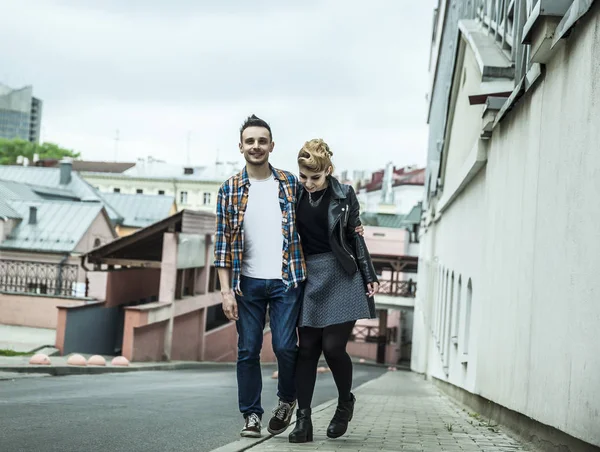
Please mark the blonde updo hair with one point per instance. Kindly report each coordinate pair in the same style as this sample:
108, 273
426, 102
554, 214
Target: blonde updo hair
315, 156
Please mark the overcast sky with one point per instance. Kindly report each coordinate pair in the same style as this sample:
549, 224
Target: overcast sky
158, 71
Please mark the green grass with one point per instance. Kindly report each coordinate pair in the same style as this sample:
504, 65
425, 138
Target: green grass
5, 352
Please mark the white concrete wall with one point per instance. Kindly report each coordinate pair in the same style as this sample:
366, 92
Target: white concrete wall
526, 231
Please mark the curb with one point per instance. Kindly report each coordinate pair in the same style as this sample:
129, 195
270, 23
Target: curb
245, 444
64, 370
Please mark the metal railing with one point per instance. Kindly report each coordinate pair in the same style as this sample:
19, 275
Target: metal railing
505, 20
398, 288
38, 278
371, 334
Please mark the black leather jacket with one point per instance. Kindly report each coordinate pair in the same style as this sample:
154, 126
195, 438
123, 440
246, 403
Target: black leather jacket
343, 218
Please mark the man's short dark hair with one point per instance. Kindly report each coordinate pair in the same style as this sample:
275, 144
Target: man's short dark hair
255, 121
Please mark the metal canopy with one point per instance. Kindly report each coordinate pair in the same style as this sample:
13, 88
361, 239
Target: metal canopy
144, 247
404, 264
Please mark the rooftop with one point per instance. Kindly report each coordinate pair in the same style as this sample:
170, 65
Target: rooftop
6, 211
31, 182
59, 225
383, 220
400, 176
90, 166
140, 210
157, 169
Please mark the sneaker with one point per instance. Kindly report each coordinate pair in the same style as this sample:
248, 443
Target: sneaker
282, 415
251, 427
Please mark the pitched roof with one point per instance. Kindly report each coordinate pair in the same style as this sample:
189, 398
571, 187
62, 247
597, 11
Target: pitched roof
7, 211
102, 167
384, 220
49, 178
414, 216
89, 165
16, 191
140, 210
159, 170
45, 182
59, 227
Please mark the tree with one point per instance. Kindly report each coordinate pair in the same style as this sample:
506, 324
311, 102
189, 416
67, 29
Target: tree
11, 149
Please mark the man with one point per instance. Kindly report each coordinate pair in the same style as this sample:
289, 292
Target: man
260, 263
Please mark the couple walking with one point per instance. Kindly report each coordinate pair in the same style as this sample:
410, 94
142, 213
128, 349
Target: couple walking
296, 247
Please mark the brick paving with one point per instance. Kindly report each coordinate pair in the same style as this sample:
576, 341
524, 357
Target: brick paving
402, 412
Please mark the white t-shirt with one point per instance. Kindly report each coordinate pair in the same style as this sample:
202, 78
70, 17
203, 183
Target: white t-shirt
263, 236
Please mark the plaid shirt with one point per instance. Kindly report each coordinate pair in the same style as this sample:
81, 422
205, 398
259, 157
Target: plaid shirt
231, 207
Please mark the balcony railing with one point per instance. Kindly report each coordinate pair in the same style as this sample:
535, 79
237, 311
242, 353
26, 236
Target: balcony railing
38, 278
371, 334
505, 20
398, 288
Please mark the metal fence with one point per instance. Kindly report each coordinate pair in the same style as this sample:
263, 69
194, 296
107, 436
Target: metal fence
38, 278
398, 288
362, 333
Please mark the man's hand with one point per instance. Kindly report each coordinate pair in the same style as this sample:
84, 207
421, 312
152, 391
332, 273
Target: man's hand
372, 288
360, 230
230, 307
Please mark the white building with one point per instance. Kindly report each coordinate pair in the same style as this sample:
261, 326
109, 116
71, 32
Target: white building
392, 191
508, 312
194, 187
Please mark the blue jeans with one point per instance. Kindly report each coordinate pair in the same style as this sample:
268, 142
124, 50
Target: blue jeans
284, 308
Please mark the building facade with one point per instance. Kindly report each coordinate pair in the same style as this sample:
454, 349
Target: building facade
193, 187
392, 191
20, 114
506, 313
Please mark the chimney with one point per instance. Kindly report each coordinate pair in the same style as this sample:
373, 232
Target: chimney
66, 166
387, 192
32, 215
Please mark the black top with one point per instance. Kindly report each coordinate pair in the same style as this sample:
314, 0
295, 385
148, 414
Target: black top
312, 222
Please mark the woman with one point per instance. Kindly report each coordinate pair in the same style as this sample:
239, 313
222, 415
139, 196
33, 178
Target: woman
339, 289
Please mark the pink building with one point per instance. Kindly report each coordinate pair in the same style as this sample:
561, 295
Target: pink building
156, 297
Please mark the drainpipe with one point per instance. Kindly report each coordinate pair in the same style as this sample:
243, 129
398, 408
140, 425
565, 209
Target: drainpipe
60, 271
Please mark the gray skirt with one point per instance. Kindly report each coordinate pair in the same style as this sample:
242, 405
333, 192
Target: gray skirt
331, 295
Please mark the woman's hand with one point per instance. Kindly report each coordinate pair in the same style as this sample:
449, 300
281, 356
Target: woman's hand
372, 288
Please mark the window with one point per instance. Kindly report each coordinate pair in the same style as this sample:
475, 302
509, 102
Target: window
161, 192
458, 312
467, 325
116, 190
440, 307
448, 326
443, 329
188, 171
97, 243
183, 197
206, 199
139, 191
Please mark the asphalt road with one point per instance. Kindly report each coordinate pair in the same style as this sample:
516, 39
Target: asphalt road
139, 411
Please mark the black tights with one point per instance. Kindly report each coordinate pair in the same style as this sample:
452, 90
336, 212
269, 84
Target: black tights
332, 341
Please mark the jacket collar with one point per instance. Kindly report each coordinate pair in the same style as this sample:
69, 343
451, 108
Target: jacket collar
277, 174
336, 188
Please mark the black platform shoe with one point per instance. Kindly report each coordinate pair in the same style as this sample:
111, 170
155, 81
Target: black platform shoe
343, 415
303, 432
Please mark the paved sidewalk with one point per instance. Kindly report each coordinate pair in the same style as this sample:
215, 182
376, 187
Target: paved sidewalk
402, 412
24, 338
